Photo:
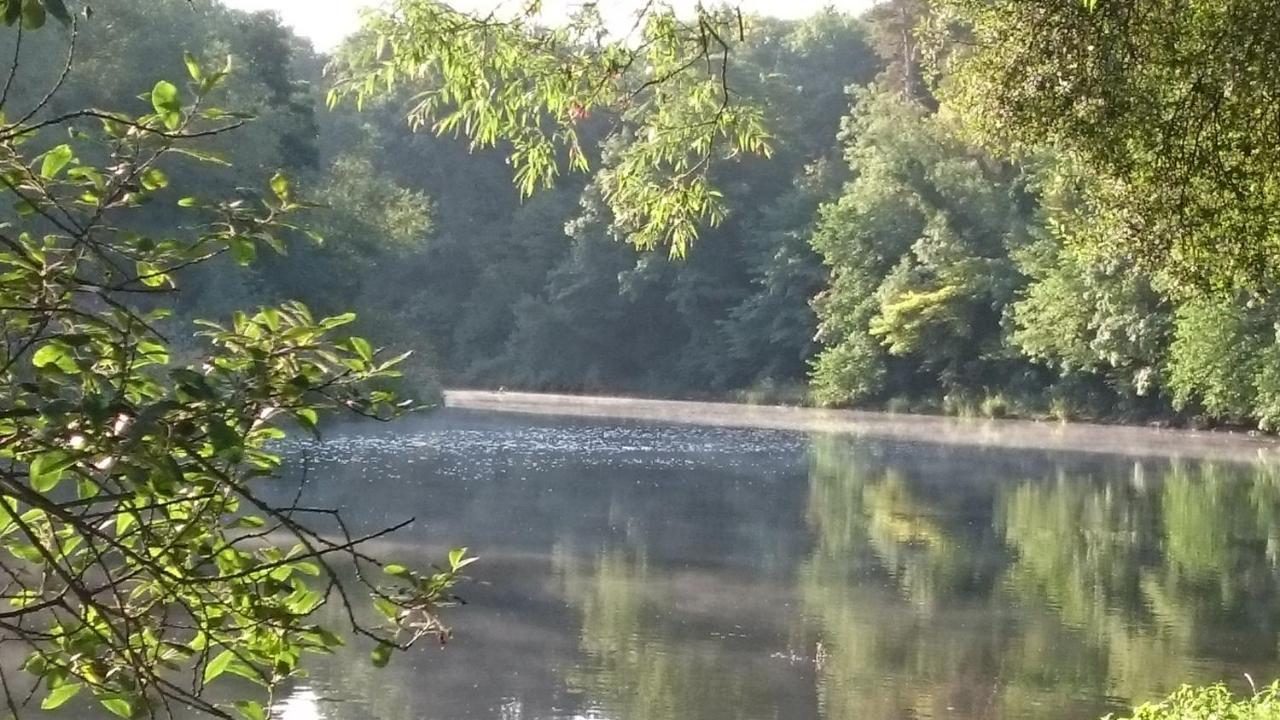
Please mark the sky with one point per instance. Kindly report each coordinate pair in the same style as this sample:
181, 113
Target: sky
326, 22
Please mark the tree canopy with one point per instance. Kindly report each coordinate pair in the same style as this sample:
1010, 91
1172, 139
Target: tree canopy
146, 553
515, 83
1167, 103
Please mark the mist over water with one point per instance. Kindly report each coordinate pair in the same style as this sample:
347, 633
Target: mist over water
643, 571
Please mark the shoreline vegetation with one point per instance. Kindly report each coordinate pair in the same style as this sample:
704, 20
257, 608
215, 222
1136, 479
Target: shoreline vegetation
1129, 440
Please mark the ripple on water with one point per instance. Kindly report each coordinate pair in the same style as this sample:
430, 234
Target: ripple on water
542, 447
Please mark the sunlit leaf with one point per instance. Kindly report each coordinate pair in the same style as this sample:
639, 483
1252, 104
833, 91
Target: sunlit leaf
218, 665
47, 469
55, 160
167, 104
60, 695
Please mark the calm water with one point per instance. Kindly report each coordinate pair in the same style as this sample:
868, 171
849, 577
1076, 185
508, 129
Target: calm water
649, 572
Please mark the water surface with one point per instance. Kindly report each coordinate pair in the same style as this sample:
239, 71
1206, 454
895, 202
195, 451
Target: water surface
641, 571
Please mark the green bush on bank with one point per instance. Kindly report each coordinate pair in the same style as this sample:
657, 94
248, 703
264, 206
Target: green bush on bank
1212, 702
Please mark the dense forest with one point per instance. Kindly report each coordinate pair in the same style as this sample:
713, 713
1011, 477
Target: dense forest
880, 257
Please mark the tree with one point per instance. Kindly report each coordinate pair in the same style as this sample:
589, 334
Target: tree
513, 82
1088, 318
1167, 102
145, 552
919, 248
1222, 359
731, 313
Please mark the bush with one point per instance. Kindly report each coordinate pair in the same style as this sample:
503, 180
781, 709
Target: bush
960, 404
1213, 702
995, 406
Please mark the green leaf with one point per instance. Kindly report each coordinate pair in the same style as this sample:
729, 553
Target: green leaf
118, 706
218, 665
193, 66
250, 710
153, 352
55, 160
86, 488
125, 520
388, 609
362, 348
243, 250
165, 100
330, 323
57, 354
280, 186
155, 179
7, 514
33, 15
396, 570
329, 639
381, 655
150, 275
309, 420
223, 437
47, 469
193, 383
245, 671
60, 695
458, 559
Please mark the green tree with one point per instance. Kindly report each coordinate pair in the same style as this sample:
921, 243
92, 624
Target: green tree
1166, 102
136, 489
919, 249
514, 82
731, 313
1222, 359
1093, 320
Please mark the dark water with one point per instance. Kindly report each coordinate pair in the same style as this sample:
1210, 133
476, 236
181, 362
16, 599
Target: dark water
642, 572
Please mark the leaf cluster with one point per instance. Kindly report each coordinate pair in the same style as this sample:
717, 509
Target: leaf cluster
513, 84
143, 550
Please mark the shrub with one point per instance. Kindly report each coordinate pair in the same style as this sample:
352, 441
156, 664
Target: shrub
1212, 702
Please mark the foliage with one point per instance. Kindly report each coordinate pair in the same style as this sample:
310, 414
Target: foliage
1165, 102
1083, 317
1222, 358
1211, 357
919, 248
1212, 701
514, 83
732, 313
957, 278
146, 551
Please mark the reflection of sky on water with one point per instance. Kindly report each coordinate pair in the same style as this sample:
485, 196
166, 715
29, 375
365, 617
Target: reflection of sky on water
302, 704
647, 572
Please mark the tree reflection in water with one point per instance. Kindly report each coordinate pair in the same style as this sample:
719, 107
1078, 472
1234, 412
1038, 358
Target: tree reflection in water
933, 594
717, 574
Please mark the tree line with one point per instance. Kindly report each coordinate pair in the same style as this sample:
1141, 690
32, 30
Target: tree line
882, 256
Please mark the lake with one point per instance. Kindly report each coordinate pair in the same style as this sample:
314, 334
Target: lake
636, 570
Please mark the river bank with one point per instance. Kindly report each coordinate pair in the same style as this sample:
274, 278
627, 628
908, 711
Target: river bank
997, 433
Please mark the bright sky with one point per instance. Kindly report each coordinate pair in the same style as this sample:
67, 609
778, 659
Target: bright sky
327, 21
